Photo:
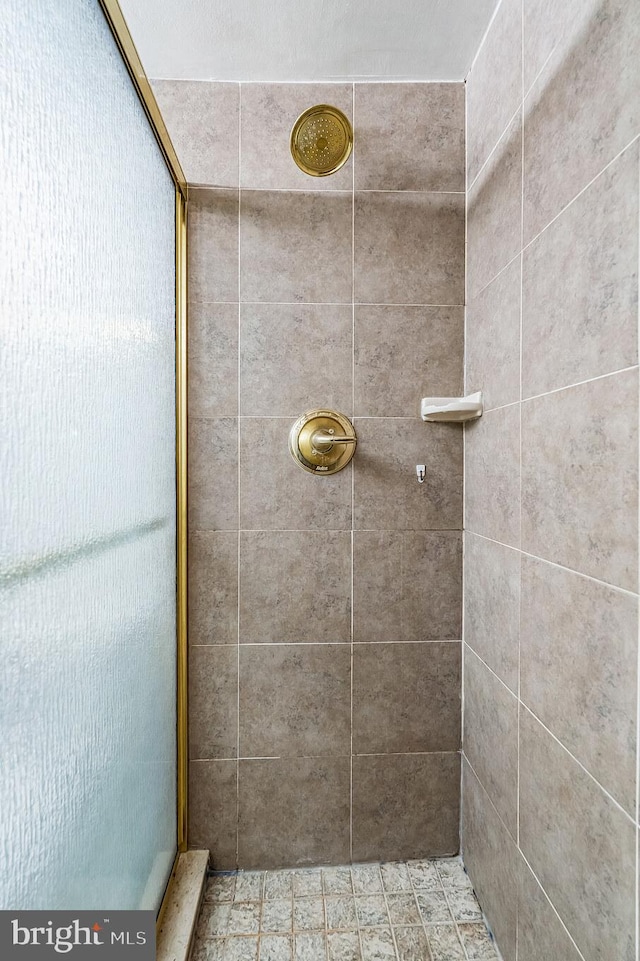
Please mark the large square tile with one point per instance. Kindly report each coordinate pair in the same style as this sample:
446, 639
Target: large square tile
295, 586
295, 700
213, 360
405, 806
407, 586
276, 494
403, 354
409, 248
387, 495
284, 352
213, 473
410, 136
293, 811
406, 698
296, 247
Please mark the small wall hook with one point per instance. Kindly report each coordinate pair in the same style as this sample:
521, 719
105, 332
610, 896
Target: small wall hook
421, 472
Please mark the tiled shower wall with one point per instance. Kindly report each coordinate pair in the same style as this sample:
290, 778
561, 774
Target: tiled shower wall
325, 612
550, 815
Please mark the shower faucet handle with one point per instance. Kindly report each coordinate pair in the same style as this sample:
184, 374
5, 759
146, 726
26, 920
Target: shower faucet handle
324, 439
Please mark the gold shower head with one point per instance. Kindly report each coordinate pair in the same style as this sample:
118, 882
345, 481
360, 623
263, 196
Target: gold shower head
321, 140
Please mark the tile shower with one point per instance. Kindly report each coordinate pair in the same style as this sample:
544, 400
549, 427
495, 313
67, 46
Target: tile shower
311, 629
326, 613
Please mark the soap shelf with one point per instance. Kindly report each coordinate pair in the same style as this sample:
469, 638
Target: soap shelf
452, 409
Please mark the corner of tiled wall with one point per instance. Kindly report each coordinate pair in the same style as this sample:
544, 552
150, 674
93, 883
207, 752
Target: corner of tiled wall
550, 819
325, 612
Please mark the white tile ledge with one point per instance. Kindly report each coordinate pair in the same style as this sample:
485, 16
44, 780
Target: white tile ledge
177, 930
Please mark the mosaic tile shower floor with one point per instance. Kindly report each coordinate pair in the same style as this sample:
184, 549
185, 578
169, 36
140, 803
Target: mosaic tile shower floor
400, 911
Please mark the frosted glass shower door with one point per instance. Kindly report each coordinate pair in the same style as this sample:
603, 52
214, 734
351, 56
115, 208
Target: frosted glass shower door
87, 468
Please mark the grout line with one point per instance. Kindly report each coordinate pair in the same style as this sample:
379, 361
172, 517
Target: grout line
320, 303
580, 383
544, 560
320, 191
353, 408
519, 682
268, 644
239, 467
638, 684
326, 757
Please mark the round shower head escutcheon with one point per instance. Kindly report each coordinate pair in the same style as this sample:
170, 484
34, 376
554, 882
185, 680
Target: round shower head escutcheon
321, 140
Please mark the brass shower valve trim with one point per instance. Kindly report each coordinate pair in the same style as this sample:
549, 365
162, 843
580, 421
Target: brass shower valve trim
322, 441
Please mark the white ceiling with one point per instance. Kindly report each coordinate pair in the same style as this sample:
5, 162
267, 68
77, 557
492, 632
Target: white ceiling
307, 40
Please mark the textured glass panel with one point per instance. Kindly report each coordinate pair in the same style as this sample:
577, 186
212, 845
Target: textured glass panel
87, 470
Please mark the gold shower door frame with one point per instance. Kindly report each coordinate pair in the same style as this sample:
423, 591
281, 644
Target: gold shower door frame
125, 43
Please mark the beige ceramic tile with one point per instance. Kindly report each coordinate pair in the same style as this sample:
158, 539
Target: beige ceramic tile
213, 474
494, 212
492, 473
296, 247
213, 360
493, 339
276, 494
580, 478
212, 787
541, 935
490, 739
409, 136
492, 605
405, 805
409, 248
403, 354
579, 670
295, 700
491, 857
387, 495
582, 111
213, 702
293, 811
289, 581
418, 685
202, 120
213, 587
494, 86
580, 283
296, 358
407, 585
213, 246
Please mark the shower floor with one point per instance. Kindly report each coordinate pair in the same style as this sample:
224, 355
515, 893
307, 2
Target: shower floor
400, 911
